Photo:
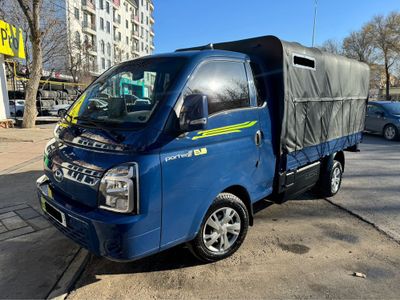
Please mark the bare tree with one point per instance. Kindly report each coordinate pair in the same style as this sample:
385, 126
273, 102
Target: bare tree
386, 40
31, 10
331, 46
359, 45
44, 32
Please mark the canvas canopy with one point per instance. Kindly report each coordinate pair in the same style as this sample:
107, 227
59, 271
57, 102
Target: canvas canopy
314, 97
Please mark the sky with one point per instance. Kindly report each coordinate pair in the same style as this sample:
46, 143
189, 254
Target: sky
185, 23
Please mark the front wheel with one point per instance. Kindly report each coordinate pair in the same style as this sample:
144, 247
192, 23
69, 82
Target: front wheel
390, 132
223, 229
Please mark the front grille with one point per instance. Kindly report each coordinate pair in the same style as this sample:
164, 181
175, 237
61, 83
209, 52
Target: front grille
76, 230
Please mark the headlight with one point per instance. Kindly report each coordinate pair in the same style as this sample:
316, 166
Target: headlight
119, 189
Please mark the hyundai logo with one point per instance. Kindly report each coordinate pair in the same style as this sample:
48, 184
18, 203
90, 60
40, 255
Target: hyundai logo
58, 175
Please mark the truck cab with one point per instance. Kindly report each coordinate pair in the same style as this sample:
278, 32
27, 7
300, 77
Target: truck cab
171, 149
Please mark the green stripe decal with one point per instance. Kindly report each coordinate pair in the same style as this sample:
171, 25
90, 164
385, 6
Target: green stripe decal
224, 130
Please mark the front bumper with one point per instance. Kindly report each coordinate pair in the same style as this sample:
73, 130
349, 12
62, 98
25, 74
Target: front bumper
114, 236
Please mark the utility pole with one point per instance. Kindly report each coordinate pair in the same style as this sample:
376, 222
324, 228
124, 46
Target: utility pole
315, 20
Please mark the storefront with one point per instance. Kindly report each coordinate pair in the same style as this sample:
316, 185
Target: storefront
11, 46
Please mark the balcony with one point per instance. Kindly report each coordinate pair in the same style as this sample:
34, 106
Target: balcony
89, 28
151, 6
135, 50
152, 46
151, 19
116, 3
92, 49
89, 6
136, 20
152, 32
135, 34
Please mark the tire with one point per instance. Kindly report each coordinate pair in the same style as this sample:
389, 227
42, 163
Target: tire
390, 132
218, 239
330, 178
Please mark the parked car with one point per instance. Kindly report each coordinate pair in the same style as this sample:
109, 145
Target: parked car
224, 127
17, 107
58, 110
383, 117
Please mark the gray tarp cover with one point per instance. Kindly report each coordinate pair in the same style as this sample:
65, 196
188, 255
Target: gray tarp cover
310, 105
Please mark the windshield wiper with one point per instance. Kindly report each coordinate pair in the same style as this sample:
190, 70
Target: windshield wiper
116, 137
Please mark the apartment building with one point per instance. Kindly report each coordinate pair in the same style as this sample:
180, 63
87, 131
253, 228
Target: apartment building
106, 32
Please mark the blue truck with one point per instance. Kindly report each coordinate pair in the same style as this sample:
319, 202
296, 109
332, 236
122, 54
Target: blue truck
222, 127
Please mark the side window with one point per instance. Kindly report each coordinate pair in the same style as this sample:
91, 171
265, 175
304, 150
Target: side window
224, 83
373, 109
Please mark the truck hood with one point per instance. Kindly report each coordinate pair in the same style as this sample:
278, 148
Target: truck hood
77, 158
99, 140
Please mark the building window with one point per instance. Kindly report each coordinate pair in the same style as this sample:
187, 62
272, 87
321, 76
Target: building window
127, 24
101, 23
108, 27
142, 17
119, 36
147, 20
76, 13
103, 63
108, 63
127, 41
102, 46
109, 49
101, 4
108, 7
142, 46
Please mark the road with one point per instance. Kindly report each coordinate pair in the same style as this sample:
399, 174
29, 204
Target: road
371, 186
305, 248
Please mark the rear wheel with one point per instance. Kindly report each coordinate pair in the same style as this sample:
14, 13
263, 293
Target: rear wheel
390, 132
330, 178
223, 229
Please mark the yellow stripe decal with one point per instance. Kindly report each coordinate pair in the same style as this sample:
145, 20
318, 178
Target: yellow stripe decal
224, 130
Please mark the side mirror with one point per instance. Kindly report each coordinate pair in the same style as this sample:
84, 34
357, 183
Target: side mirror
194, 113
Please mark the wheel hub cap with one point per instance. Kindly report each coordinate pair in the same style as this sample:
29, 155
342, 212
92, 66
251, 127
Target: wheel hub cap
336, 177
221, 230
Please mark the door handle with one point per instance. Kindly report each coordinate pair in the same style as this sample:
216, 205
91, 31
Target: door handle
258, 138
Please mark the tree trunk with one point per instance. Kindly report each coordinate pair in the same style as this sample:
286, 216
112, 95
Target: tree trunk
32, 86
387, 81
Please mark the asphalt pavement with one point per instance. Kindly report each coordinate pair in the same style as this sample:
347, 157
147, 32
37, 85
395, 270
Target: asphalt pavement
305, 248
371, 187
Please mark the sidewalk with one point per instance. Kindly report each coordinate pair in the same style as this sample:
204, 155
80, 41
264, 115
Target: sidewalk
33, 254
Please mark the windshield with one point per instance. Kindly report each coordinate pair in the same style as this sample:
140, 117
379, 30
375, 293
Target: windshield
127, 94
393, 108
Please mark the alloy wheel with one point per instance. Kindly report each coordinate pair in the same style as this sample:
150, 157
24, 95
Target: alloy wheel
221, 230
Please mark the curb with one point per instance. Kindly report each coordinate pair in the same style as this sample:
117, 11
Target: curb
68, 279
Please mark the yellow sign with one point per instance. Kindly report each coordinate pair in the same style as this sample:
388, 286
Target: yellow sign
11, 40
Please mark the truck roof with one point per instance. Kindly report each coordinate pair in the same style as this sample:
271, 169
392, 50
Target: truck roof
202, 54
